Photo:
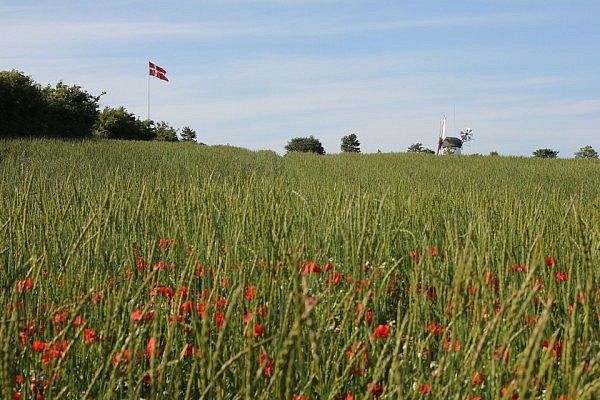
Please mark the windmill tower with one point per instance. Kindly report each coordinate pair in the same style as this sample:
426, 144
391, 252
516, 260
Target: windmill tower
450, 144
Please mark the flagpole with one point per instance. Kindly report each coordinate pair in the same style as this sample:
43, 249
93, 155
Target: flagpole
148, 111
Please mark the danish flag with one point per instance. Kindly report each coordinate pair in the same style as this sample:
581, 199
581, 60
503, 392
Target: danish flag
158, 72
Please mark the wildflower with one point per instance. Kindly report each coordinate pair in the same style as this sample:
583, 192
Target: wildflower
38, 346
414, 255
310, 267
424, 388
335, 277
61, 317
261, 310
78, 321
201, 310
219, 319
120, 358
24, 285
164, 243
89, 336
451, 345
561, 276
138, 316
382, 331
376, 390
550, 261
258, 330
433, 251
328, 266
55, 351
491, 280
556, 347
477, 378
221, 303
19, 379
186, 307
150, 347
188, 350
250, 292
523, 268
435, 329
265, 362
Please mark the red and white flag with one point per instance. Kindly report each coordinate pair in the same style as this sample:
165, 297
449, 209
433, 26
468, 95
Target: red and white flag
158, 72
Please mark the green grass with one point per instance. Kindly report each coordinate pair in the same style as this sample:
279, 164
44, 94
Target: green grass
80, 219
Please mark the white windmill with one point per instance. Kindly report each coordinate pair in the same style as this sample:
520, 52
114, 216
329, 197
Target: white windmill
451, 144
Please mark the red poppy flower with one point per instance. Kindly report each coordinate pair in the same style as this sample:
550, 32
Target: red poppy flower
78, 321
61, 317
24, 285
435, 329
310, 267
164, 243
477, 378
561, 276
186, 307
201, 310
150, 347
38, 346
258, 330
424, 388
266, 362
250, 292
382, 331
89, 336
219, 319
376, 390
138, 316
550, 261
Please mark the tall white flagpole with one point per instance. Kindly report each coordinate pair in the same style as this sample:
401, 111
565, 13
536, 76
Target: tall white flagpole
148, 93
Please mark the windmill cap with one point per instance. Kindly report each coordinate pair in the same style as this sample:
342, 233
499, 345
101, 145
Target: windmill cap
452, 142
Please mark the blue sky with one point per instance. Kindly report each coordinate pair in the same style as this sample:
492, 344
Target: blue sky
523, 74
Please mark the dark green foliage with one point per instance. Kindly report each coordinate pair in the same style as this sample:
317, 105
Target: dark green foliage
118, 123
587, 152
188, 134
494, 153
350, 144
26, 109
545, 153
165, 132
70, 111
418, 148
305, 145
22, 105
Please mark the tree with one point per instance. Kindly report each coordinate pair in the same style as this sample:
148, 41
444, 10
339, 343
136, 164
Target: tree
305, 145
587, 152
418, 148
70, 111
350, 144
494, 153
545, 153
118, 123
188, 134
22, 105
165, 132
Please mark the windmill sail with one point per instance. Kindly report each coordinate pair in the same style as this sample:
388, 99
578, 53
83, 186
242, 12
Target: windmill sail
442, 133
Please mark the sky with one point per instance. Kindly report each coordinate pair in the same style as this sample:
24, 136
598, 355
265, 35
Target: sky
255, 73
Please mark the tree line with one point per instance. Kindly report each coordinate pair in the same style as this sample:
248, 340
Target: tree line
29, 110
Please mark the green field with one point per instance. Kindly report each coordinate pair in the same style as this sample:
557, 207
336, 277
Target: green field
169, 270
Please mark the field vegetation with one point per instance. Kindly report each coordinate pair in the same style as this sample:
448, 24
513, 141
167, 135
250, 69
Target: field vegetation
159, 270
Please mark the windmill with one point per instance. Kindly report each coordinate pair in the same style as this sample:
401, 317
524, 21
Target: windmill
451, 144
